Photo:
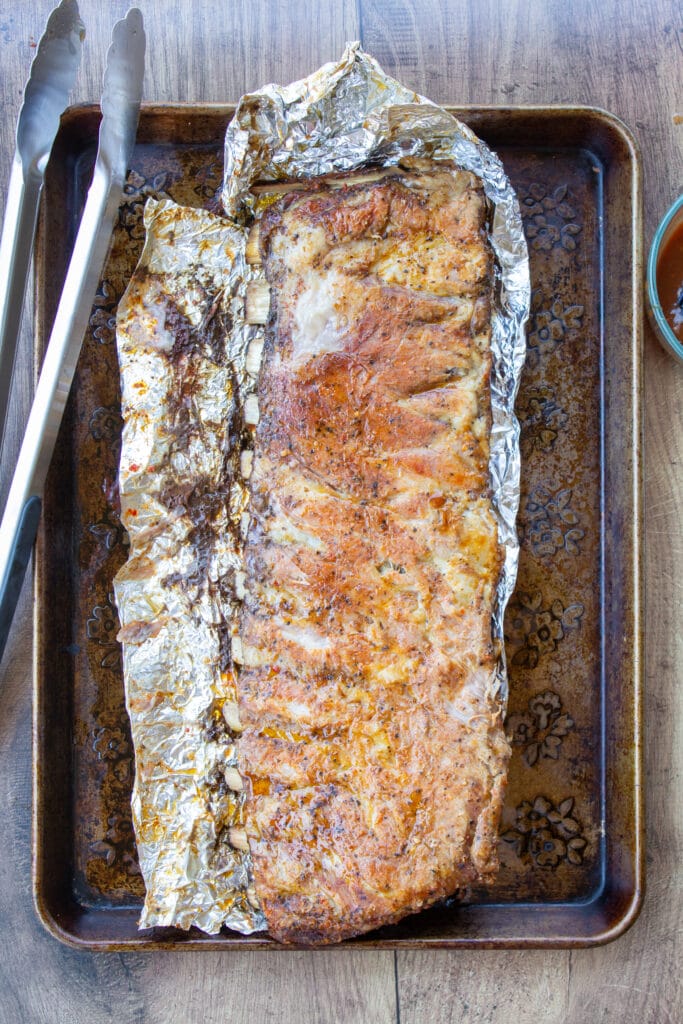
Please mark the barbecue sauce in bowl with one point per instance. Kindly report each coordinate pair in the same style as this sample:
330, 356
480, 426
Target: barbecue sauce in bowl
670, 280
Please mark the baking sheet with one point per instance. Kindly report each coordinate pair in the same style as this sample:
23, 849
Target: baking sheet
570, 846
347, 115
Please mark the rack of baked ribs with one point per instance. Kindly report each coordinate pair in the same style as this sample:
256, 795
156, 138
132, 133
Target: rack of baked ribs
372, 750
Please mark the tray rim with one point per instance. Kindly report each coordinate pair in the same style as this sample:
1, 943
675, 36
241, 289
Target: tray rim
167, 939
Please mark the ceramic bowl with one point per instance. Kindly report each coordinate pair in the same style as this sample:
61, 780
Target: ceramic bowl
668, 224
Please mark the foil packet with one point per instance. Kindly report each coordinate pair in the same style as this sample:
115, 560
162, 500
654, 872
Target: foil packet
189, 289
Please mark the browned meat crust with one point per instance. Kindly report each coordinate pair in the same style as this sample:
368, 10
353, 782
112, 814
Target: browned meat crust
373, 748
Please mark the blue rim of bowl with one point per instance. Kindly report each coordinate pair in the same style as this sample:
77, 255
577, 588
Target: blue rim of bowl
664, 330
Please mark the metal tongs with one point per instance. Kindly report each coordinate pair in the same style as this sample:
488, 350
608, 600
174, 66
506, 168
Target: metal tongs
52, 76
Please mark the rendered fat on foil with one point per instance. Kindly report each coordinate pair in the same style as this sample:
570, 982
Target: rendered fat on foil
189, 363
181, 503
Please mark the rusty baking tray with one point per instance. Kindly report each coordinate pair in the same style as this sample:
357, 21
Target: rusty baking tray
571, 839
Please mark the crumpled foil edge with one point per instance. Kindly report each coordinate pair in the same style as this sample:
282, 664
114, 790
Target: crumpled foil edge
178, 346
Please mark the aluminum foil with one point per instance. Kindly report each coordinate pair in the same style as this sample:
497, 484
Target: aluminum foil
179, 340
344, 116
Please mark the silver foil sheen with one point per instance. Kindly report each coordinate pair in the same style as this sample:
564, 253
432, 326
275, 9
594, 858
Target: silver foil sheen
176, 596
344, 116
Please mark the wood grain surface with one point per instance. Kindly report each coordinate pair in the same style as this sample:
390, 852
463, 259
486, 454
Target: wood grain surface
624, 55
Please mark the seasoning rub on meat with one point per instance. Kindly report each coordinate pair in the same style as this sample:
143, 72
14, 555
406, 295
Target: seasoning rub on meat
372, 750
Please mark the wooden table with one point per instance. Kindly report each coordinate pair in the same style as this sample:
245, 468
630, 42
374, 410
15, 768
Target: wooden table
623, 55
